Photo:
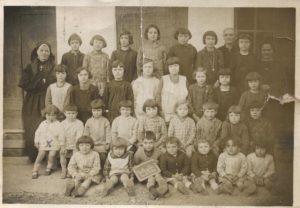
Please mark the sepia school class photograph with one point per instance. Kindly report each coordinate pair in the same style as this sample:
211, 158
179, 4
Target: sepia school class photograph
122, 105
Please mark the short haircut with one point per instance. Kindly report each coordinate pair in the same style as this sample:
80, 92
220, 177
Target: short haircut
172, 140
119, 142
149, 135
172, 60
234, 109
100, 38
255, 104
126, 104
60, 68
150, 103
85, 139
125, 32
74, 36
98, 104
202, 140
210, 33
182, 102
210, 106
199, 70
82, 68
244, 36
267, 42
117, 63
182, 31
148, 28
235, 140
229, 28
251, 76
71, 108
50, 109
262, 143
225, 71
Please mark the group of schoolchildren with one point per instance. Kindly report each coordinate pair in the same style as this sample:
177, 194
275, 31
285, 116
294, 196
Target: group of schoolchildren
183, 109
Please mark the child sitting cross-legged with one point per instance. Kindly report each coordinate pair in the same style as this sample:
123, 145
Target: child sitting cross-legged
148, 151
204, 163
84, 168
175, 165
118, 167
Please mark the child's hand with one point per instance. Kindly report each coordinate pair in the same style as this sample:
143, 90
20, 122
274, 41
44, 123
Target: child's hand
229, 177
259, 180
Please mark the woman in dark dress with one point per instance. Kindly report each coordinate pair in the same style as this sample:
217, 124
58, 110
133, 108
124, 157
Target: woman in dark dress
36, 77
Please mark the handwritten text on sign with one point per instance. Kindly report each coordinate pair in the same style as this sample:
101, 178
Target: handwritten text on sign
145, 170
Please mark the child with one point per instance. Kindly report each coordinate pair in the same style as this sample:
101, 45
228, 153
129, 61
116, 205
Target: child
259, 127
203, 166
253, 94
261, 168
118, 167
152, 49
172, 88
225, 95
126, 55
144, 87
116, 91
84, 168
152, 122
73, 59
98, 128
73, 129
149, 152
209, 127
234, 126
49, 138
199, 93
175, 166
125, 125
232, 168
210, 58
186, 52
242, 62
81, 95
183, 127
97, 63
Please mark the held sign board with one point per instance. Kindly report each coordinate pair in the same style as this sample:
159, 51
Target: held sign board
145, 170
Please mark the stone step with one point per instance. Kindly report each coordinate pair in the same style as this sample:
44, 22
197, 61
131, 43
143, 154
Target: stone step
13, 142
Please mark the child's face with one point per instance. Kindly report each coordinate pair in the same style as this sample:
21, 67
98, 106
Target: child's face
210, 41
260, 151
125, 111
98, 45
124, 40
229, 36
182, 110
84, 148
148, 69
97, 113
83, 76
118, 151
148, 144
61, 76
183, 38
51, 117
75, 44
118, 72
200, 78
210, 113
151, 111
43, 52
173, 69
234, 118
244, 44
172, 149
224, 79
267, 51
231, 148
255, 113
71, 115
203, 148
152, 34
253, 84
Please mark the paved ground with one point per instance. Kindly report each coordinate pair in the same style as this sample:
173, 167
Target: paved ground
18, 187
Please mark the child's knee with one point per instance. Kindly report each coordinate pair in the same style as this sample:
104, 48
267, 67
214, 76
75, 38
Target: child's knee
113, 179
124, 178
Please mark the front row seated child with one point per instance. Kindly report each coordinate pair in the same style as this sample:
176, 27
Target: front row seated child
232, 168
148, 151
152, 122
73, 129
84, 167
49, 138
203, 168
183, 127
209, 127
98, 128
175, 166
118, 167
233, 125
125, 125
261, 168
